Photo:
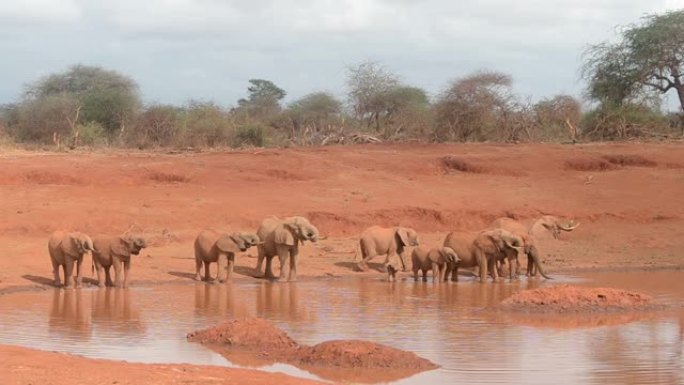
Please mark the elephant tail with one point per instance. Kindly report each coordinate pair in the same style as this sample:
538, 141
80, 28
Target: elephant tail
534, 253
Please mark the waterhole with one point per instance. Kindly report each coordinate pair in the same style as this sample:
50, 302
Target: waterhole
454, 325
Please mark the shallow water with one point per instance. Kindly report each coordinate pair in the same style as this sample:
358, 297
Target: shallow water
453, 325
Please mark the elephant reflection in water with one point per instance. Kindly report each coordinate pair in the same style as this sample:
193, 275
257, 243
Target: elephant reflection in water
220, 300
282, 301
68, 315
114, 311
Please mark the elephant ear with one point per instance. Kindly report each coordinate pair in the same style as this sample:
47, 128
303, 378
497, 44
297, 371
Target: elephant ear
403, 235
227, 244
284, 234
120, 247
71, 245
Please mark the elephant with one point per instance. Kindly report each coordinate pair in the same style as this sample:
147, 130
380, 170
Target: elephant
389, 241
65, 249
436, 259
115, 251
482, 249
282, 237
548, 222
212, 246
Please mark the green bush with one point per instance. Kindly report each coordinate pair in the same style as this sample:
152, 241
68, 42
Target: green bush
92, 134
249, 135
620, 122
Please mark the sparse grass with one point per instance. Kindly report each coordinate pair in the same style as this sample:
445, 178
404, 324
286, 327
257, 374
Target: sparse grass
162, 177
46, 177
451, 163
589, 164
629, 160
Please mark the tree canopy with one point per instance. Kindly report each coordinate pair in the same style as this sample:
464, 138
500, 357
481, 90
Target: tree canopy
649, 57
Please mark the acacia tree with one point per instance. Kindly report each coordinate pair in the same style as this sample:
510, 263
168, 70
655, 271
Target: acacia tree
94, 94
263, 100
381, 101
476, 105
313, 114
648, 57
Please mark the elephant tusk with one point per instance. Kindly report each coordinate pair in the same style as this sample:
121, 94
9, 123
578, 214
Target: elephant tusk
569, 228
322, 238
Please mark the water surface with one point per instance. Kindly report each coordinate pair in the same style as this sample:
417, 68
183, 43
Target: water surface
454, 325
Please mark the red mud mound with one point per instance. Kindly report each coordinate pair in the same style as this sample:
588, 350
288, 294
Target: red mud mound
249, 334
333, 360
566, 298
361, 354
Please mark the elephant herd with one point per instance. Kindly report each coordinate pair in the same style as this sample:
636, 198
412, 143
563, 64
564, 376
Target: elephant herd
488, 250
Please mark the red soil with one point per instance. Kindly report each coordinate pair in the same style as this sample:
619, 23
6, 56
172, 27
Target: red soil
566, 298
270, 344
631, 209
249, 334
21, 366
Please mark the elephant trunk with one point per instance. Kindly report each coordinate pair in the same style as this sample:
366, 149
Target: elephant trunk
89, 245
534, 254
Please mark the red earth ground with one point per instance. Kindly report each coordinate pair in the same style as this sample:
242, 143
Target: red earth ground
340, 360
568, 298
628, 197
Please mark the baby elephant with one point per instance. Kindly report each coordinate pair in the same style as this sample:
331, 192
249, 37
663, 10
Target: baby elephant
65, 249
435, 259
115, 251
211, 246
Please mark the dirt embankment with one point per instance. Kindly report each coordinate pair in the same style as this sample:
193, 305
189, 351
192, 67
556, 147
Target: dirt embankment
343, 360
627, 196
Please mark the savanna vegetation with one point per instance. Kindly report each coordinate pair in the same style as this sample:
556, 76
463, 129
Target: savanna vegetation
625, 85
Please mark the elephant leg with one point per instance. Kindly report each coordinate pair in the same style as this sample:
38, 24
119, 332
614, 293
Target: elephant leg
482, 262
207, 271
424, 272
79, 278
293, 265
230, 265
367, 256
108, 276
512, 272
100, 275
517, 266
260, 260
402, 257
68, 273
530, 267
198, 268
55, 273
284, 254
268, 273
117, 272
126, 271
415, 274
454, 273
221, 273
495, 271
435, 273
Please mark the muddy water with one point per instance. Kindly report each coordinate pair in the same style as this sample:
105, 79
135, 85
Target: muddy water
454, 325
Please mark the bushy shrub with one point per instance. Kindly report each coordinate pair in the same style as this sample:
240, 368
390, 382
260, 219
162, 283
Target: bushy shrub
249, 135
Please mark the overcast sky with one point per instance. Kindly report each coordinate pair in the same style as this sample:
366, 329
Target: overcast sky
207, 49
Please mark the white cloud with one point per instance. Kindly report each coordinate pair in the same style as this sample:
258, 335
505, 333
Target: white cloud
39, 11
180, 49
